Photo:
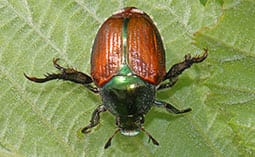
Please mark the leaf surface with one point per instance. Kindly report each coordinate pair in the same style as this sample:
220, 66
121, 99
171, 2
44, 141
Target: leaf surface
45, 119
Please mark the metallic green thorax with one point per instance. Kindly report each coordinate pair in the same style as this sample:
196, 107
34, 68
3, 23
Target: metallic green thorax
127, 94
128, 98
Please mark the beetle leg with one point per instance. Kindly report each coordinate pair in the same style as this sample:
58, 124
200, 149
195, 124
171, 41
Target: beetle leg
171, 82
68, 74
178, 68
94, 119
170, 108
154, 141
109, 142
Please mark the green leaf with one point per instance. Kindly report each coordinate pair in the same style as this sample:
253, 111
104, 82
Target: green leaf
45, 119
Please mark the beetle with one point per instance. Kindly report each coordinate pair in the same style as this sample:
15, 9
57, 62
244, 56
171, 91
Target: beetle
127, 69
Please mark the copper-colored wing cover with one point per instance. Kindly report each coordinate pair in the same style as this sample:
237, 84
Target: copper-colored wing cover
128, 37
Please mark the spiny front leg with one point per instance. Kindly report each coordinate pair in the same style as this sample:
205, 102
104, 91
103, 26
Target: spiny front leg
68, 74
178, 68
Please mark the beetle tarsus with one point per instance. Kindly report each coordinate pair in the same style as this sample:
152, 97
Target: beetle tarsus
48, 77
178, 68
68, 74
171, 108
94, 119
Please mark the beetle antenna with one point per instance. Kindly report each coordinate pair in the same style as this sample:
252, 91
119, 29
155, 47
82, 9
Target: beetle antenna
154, 141
108, 143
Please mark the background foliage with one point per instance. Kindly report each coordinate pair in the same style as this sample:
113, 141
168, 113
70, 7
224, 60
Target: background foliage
44, 119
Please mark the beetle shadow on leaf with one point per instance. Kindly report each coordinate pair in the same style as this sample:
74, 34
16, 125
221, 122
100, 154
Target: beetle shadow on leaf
181, 83
128, 145
160, 115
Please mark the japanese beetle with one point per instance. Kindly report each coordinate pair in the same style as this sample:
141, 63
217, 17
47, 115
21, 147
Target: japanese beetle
127, 69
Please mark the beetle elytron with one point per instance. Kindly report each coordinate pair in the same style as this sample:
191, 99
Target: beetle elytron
127, 68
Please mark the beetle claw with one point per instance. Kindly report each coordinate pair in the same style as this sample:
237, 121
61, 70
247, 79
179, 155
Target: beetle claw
56, 65
187, 57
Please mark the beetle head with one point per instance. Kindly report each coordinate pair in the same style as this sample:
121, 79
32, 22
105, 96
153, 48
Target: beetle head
130, 125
